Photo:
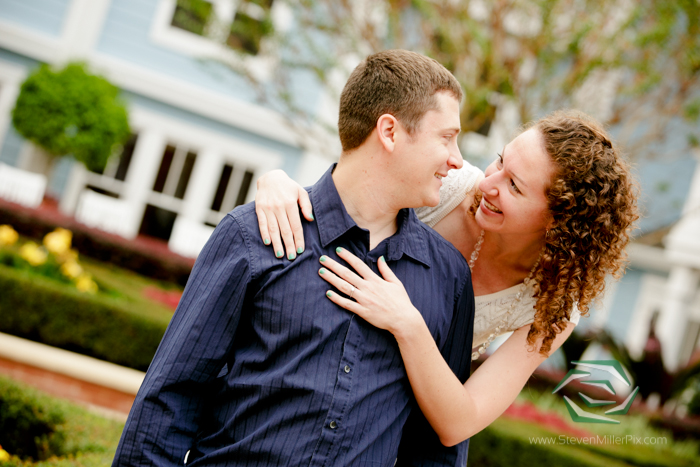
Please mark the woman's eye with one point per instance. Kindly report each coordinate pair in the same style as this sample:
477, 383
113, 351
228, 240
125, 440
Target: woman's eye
499, 161
515, 187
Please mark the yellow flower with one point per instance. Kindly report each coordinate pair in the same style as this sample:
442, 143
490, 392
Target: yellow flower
58, 241
71, 269
84, 283
33, 254
8, 235
4, 455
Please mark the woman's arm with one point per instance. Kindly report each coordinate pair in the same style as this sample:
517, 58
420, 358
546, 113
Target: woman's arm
278, 216
455, 411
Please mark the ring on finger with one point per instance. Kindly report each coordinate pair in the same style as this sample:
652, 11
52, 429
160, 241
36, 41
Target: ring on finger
352, 290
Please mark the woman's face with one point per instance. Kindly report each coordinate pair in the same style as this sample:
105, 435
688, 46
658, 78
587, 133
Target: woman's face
514, 188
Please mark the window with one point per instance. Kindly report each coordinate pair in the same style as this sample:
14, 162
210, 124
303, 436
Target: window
118, 165
110, 180
250, 24
231, 191
241, 27
174, 172
192, 16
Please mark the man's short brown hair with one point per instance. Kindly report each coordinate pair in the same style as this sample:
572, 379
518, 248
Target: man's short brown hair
396, 82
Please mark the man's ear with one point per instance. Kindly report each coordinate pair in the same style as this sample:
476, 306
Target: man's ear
387, 126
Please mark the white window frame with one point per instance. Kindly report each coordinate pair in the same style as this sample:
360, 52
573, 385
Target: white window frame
165, 34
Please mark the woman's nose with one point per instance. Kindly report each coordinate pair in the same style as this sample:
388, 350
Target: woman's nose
488, 186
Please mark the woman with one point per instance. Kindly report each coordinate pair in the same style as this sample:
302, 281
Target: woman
542, 227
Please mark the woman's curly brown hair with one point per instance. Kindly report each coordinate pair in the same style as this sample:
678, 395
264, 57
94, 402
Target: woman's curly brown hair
593, 201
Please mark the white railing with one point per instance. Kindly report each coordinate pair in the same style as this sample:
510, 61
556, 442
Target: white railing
105, 213
188, 237
21, 187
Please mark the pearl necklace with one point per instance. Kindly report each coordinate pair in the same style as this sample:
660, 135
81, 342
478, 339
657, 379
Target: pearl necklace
504, 323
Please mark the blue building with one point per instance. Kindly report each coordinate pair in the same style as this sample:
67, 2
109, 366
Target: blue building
199, 139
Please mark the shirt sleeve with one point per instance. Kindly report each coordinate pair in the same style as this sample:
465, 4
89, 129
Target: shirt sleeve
420, 445
164, 419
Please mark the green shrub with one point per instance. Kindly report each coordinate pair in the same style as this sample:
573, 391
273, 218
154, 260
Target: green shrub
29, 428
71, 112
100, 326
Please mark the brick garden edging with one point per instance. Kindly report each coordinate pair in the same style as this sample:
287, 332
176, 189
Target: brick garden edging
69, 375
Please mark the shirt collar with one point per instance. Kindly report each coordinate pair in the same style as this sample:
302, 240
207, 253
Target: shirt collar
333, 221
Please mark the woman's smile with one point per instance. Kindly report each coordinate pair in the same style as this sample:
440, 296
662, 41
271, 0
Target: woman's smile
490, 206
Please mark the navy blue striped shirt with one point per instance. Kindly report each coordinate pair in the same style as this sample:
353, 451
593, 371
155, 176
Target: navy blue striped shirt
259, 368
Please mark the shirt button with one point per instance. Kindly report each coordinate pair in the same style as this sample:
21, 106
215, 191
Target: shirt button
347, 369
333, 425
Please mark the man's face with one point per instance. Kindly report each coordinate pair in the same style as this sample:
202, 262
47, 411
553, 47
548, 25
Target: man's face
429, 153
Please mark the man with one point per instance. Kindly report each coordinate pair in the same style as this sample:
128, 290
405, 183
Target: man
258, 367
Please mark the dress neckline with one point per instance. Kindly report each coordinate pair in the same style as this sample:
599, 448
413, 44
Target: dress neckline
500, 294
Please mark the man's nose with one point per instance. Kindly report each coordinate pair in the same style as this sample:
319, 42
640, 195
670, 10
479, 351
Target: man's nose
455, 160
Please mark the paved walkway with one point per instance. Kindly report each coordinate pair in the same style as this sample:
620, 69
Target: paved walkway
101, 386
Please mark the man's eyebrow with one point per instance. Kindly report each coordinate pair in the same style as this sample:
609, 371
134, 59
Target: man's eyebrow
520, 180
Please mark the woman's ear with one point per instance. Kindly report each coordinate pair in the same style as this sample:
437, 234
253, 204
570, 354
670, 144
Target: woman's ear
387, 126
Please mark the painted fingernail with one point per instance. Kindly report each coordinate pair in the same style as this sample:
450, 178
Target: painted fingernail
266, 241
322, 270
328, 294
338, 250
323, 258
279, 254
312, 217
381, 258
291, 256
300, 250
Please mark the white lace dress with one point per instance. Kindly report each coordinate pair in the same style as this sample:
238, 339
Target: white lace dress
490, 309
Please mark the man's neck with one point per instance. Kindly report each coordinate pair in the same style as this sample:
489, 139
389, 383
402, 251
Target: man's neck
367, 197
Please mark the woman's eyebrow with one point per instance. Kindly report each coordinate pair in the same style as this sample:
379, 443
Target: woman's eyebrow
521, 182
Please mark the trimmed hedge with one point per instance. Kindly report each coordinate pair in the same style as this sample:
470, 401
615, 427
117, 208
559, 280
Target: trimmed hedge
29, 428
46, 311
82, 439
